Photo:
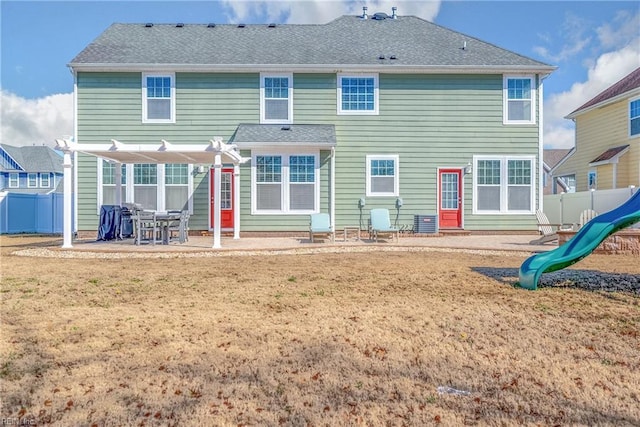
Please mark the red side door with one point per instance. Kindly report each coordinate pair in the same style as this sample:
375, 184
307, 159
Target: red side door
450, 198
226, 198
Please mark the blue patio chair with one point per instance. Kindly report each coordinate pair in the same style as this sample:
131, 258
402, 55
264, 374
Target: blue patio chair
381, 224
320, 225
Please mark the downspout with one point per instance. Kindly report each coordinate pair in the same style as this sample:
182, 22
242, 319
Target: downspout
333, 189
541, 141
75, 155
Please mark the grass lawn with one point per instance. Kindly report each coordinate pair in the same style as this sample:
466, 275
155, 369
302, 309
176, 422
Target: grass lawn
322, 339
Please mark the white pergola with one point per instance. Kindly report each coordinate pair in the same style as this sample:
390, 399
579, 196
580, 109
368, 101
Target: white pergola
164, 152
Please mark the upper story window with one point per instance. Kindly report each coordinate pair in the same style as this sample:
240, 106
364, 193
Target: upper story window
158, 98
44, 180
634, 117
519, 100
358, 94
276, 98
14, 180
32, 180
382, 175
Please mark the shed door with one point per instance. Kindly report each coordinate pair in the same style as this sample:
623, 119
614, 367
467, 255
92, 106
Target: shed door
450, 196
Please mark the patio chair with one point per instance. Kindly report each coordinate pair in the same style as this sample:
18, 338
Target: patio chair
320, 225
180, 228
549, 231
381, 224
146, 227
586, 216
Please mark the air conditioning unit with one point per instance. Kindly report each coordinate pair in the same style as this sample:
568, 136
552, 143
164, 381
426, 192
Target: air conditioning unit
427, 224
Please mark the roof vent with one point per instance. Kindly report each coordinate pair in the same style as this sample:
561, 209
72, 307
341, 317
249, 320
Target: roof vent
179, 25
272, 25
285, 127
211, 25
364, 12
380, 16
394, 15
393, 57
241, 25
148, 25
381, 57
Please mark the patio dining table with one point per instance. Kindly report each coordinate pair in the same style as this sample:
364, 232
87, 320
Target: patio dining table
164, 220
151, 222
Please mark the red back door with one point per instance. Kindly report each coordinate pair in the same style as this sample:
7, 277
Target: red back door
450, 198
226, 198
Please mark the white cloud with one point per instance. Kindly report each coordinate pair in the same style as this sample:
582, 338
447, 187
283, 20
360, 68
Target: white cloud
35, 121
322, 11
624, 27
607, 69
574, 33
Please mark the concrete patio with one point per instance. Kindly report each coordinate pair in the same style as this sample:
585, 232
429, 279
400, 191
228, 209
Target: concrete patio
502, 242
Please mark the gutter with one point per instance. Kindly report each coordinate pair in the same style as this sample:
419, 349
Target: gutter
311, 68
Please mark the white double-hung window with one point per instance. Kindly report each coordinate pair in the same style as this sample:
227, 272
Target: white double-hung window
45, 180
276, 98
358, 94
504, 184
382, 175
158, 98
519, 100
285, 183
32, 180
176, 186
14, 180
109, 183
158, 187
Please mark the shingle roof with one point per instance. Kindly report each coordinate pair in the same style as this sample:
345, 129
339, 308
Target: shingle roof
629, 82
553, 156
316, 135
34, 158
610, 154
348, 40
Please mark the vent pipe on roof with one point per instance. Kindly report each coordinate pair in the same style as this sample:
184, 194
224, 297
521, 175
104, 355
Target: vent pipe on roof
393, 12
148, 24
179, 25
364, 12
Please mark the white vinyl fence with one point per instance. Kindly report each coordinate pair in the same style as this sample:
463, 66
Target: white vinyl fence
565, 208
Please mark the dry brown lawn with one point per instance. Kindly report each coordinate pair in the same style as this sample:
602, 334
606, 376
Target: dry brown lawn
324, 339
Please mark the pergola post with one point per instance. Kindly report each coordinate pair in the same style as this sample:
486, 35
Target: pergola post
67, 217
236, 201
217, 177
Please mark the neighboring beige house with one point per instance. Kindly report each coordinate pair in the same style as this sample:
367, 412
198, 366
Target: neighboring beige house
607, 150
552, 159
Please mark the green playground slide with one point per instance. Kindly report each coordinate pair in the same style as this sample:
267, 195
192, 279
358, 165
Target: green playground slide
582, 244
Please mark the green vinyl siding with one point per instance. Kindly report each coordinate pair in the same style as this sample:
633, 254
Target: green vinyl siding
429, 121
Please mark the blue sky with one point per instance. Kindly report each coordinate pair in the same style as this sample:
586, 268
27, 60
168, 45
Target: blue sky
593, 44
